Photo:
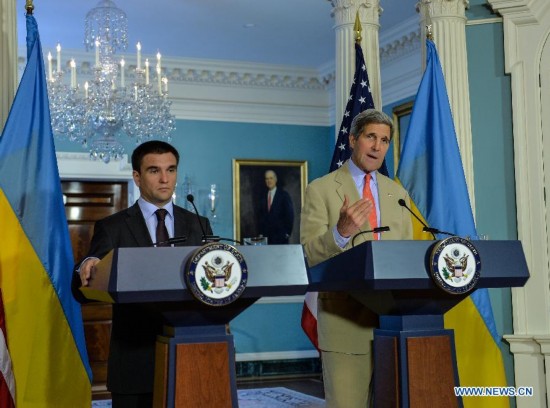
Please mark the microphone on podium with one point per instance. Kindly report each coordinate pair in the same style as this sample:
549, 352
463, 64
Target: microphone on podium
432, 231
376, 230
205, 238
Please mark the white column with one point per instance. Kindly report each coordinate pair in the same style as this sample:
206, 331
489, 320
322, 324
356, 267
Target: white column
448, 21
527, 60
344, 12
8, 57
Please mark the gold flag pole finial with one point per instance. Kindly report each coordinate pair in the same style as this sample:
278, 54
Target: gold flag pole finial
29, 6
429, 34
357, 28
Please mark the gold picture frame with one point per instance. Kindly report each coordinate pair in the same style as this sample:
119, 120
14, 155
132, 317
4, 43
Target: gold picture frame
249, 187
401, 116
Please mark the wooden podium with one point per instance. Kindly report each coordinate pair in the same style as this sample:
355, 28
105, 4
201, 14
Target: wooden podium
195, 356
414, 355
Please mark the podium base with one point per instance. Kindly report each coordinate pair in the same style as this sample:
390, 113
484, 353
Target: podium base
195, 367
414, 363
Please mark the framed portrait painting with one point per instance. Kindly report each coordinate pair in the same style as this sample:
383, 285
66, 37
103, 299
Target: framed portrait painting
267, 199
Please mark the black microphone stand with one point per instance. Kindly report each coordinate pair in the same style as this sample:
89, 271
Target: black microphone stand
376, 230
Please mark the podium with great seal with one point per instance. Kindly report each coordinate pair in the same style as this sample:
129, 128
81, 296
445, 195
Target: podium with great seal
410, 285
197, 291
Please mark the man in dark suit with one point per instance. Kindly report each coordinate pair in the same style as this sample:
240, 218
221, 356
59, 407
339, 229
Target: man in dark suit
276, 212
134, 326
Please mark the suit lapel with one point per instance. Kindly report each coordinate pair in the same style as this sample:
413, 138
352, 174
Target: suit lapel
138, 228
345, 184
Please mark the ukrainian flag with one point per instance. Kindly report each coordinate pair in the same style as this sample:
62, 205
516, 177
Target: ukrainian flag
431, 170
45, 330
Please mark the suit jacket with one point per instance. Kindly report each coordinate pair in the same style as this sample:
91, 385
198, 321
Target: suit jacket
276, 224
135, 326
345, 324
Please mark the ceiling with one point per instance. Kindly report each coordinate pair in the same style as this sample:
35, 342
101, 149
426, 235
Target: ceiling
288, 32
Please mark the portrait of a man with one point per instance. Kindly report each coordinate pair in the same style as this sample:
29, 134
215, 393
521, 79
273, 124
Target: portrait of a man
268, 197
276, 212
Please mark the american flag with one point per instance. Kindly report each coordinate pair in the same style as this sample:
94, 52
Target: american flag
359, 99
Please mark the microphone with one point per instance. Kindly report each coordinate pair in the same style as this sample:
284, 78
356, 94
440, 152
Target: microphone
205, 238
374, 231
432, 231
175, 240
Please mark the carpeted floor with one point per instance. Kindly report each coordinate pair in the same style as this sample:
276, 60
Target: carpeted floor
278, 397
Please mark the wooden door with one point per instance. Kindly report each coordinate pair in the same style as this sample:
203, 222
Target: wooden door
85, 203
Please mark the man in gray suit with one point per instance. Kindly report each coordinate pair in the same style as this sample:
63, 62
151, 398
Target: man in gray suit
135, 326
349, 201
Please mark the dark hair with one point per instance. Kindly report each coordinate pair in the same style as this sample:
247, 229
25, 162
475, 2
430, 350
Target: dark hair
153, 146
367, 117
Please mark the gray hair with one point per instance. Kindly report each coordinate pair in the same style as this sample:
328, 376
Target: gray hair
272, 172
366, 118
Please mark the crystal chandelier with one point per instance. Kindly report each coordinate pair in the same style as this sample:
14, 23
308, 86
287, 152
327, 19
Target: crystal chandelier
107, 108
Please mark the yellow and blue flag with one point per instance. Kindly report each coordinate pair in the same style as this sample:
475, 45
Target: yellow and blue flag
430, 168
44, 322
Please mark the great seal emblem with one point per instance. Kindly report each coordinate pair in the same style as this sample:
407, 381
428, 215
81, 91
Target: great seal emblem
455, 265
216, 274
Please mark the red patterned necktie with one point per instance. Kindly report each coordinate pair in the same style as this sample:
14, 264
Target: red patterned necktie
269, 201
367, 193
162, 232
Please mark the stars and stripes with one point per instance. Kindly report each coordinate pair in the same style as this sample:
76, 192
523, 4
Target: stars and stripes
360, 98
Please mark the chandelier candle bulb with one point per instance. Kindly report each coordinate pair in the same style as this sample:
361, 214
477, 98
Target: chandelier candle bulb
97, 53
50, 75
58, 48
122, 79
73, 74
86, 86
165, 80
138, 47
147, 71
159, 79
158, 59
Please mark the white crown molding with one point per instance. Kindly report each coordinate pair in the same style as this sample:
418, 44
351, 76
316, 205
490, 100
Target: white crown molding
401, 64
79, 166
233, 91
400, 41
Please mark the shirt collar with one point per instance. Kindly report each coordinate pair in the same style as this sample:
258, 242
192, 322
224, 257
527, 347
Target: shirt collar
358, 175
148, 209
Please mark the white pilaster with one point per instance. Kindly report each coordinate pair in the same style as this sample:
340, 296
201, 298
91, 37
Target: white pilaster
448, 21
8, 57
344, 13
527, 60
528, 366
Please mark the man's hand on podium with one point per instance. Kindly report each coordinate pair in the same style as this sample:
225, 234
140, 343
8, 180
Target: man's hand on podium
86, 269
